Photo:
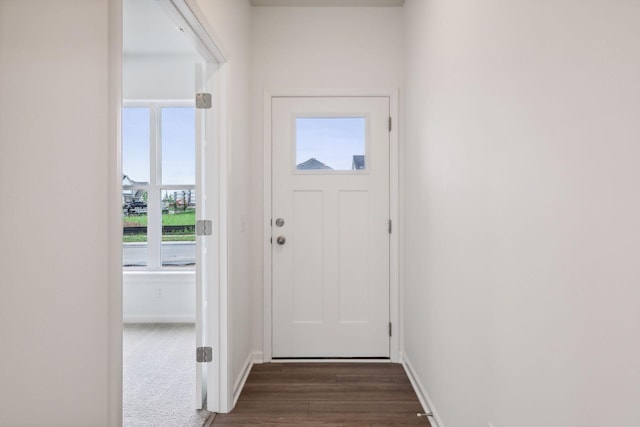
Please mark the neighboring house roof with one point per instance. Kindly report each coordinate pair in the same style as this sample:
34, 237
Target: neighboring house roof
312, 164
358, 162
128, 181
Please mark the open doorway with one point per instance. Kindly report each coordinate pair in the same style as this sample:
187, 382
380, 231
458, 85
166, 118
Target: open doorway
170, 156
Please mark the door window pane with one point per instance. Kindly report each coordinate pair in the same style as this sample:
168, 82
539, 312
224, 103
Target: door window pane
178, 228
178, 146
135, 146
134, 228
330, 143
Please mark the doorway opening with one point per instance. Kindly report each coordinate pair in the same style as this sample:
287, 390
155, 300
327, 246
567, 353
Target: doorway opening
171, 196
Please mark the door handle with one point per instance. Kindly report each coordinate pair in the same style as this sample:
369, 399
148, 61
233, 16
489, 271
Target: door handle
281, 240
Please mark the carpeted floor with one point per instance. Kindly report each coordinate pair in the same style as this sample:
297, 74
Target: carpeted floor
159, 376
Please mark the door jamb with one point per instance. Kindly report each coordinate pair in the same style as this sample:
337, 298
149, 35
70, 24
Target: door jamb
394, 188
114, 196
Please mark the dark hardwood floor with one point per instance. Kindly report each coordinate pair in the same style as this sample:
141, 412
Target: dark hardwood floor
326, 394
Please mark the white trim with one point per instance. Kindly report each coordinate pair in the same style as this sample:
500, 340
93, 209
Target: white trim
421, 392
114, 226
189, 16
159, 319
266, 221
334, 93
400, 236
242, 378
394, 173
258, 358
394, 242
350, 360
225, 393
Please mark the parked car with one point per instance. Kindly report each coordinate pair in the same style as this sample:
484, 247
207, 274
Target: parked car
135, 207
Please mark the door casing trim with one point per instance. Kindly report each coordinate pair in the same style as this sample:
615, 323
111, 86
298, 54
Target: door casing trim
394, 203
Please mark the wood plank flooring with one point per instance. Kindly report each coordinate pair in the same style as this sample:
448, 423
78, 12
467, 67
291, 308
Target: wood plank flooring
326, 394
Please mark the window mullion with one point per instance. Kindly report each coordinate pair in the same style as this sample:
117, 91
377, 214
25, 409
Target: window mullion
154, 212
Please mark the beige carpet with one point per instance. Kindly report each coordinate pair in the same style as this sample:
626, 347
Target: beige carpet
159, 376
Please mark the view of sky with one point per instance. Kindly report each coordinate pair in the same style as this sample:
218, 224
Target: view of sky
135, 143
331, 140
178, 144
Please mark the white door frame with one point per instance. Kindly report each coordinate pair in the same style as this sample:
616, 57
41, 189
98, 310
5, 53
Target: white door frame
188, 14
394, 290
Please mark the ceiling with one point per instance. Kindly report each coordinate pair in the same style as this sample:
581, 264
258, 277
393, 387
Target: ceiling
149, 30
325, 3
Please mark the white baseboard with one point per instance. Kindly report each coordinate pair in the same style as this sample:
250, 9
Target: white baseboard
242, 378
425, 401
158, 319
258, 357
293, 360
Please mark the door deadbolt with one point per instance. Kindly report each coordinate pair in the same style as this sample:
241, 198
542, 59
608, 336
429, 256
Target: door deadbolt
279, 222
281, 240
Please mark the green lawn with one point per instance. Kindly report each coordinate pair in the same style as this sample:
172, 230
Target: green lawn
141, 238
178, 218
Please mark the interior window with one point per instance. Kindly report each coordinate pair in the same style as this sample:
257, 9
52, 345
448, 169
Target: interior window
158, 188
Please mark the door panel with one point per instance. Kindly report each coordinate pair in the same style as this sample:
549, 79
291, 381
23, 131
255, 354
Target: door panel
201, 241
207, 262
306, 240
331, 188
353, 208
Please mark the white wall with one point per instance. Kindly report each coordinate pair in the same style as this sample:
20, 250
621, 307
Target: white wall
521, 210
312, 48
159, 297
230, 20
54, 295
159, 76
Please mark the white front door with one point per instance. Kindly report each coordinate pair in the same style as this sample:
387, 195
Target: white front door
330, 227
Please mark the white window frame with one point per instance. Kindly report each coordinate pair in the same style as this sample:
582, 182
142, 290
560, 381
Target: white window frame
155, 186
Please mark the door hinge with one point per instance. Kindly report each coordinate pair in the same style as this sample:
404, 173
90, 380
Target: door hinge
390, 329
203, 100
390, 226
389, 123
204, 354
204, 227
